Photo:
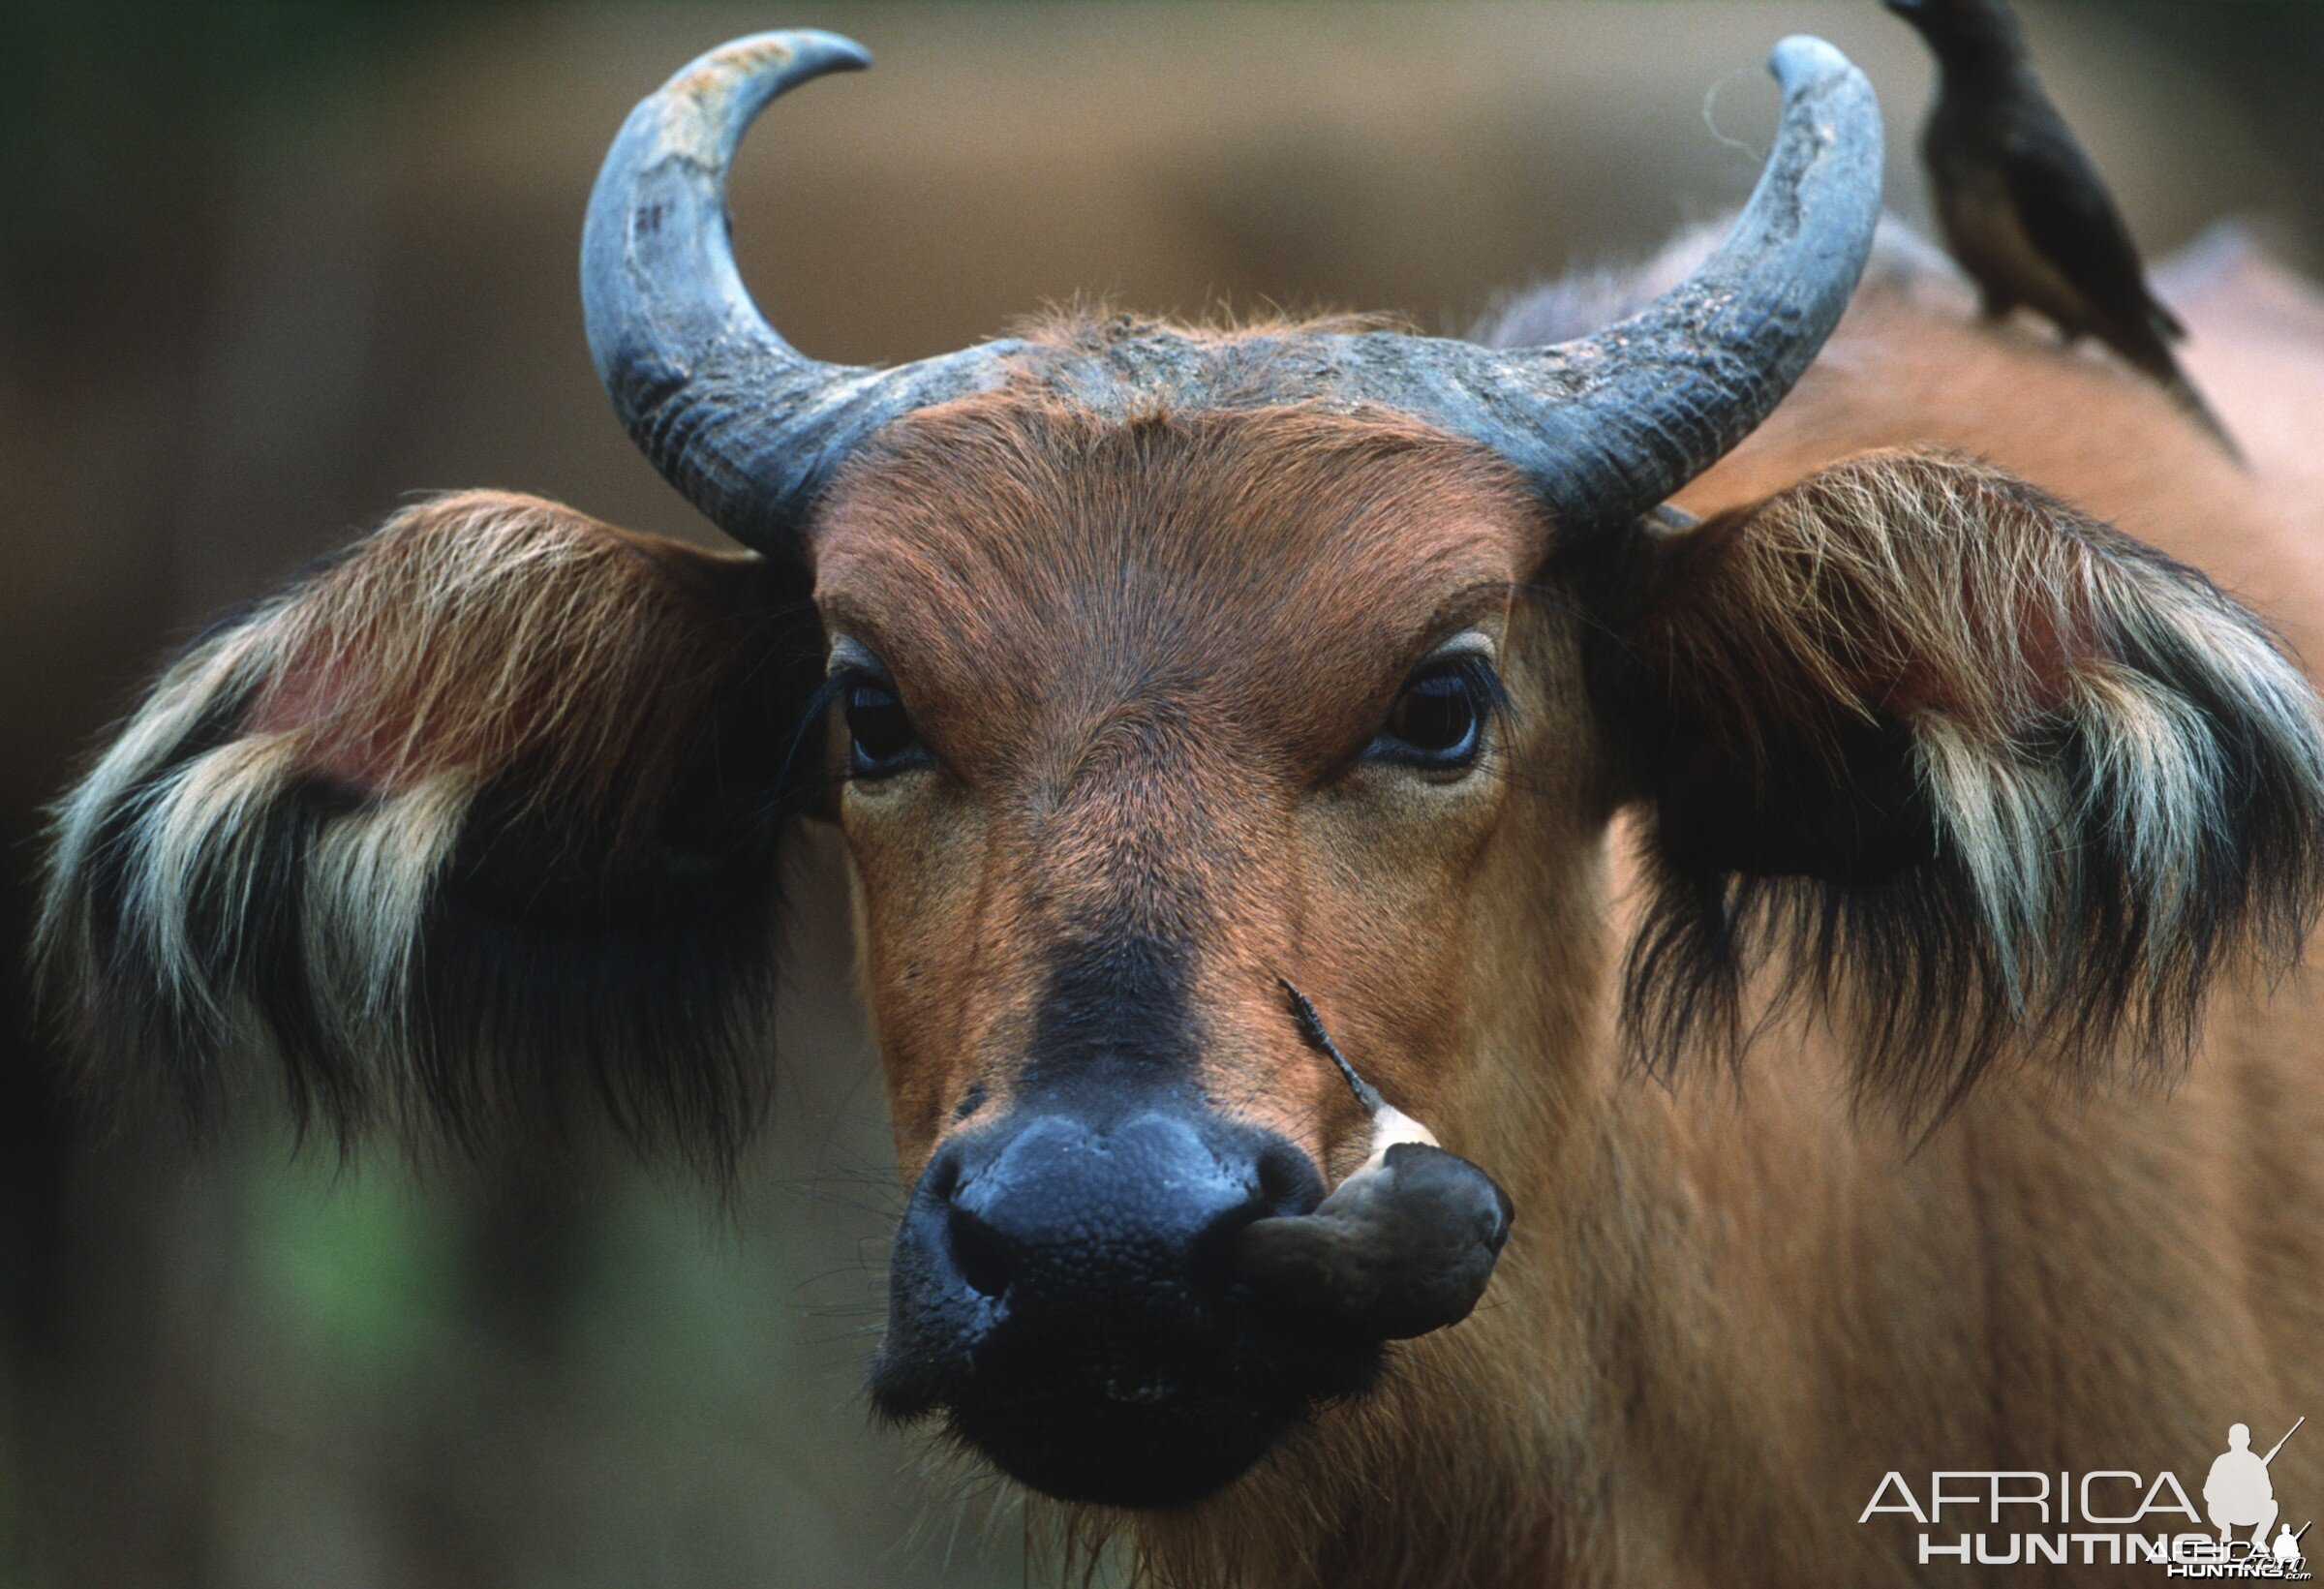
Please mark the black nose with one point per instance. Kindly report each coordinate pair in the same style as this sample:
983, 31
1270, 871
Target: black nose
1060, 1216
1063, 1287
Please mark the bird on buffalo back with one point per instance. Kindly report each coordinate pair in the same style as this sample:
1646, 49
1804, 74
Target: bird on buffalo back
2022, 207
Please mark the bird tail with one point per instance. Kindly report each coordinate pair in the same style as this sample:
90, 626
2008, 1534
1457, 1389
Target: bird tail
2184, 394
2144, 344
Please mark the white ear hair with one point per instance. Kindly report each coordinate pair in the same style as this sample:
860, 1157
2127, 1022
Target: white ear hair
430, 838
2008, 780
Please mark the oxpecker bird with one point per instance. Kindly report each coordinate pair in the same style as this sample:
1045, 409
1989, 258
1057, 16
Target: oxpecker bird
2023, 208
1404, 1245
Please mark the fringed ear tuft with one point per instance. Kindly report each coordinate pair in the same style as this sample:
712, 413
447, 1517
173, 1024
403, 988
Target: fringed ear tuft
1971, 770
473, 830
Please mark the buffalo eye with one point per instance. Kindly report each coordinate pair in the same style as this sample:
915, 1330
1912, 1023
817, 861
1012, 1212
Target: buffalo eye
880, 736
1438, 719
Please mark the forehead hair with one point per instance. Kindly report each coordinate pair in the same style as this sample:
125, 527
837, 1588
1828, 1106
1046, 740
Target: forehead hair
999, 550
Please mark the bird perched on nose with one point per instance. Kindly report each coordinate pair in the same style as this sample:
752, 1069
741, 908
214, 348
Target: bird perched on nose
1404, 1245
2023, 209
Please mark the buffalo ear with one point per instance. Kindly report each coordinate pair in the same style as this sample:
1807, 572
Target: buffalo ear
473, 832
1976, 774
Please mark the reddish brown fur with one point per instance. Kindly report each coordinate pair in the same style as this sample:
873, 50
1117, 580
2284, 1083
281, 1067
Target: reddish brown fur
1146, 652
485, 630
463, 831
1140, 653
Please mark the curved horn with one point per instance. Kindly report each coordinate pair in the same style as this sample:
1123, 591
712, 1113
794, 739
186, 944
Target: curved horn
1604, 427
1608, 426
733, 416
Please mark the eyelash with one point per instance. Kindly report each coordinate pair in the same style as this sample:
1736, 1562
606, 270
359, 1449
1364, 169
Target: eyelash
860, 697
1466, 683
1471, 682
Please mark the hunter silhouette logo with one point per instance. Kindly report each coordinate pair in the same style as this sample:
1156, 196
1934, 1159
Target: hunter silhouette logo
2239, 1492
2287, 1546
2108, 1516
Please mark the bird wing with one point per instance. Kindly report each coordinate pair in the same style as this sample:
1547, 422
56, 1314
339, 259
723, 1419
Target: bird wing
2062, 203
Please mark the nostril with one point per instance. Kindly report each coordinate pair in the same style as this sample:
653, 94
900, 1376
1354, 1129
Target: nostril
943, 1178
1283, 1182
1288, 1182
977, 1252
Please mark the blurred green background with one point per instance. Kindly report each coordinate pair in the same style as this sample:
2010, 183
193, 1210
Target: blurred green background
266, 268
